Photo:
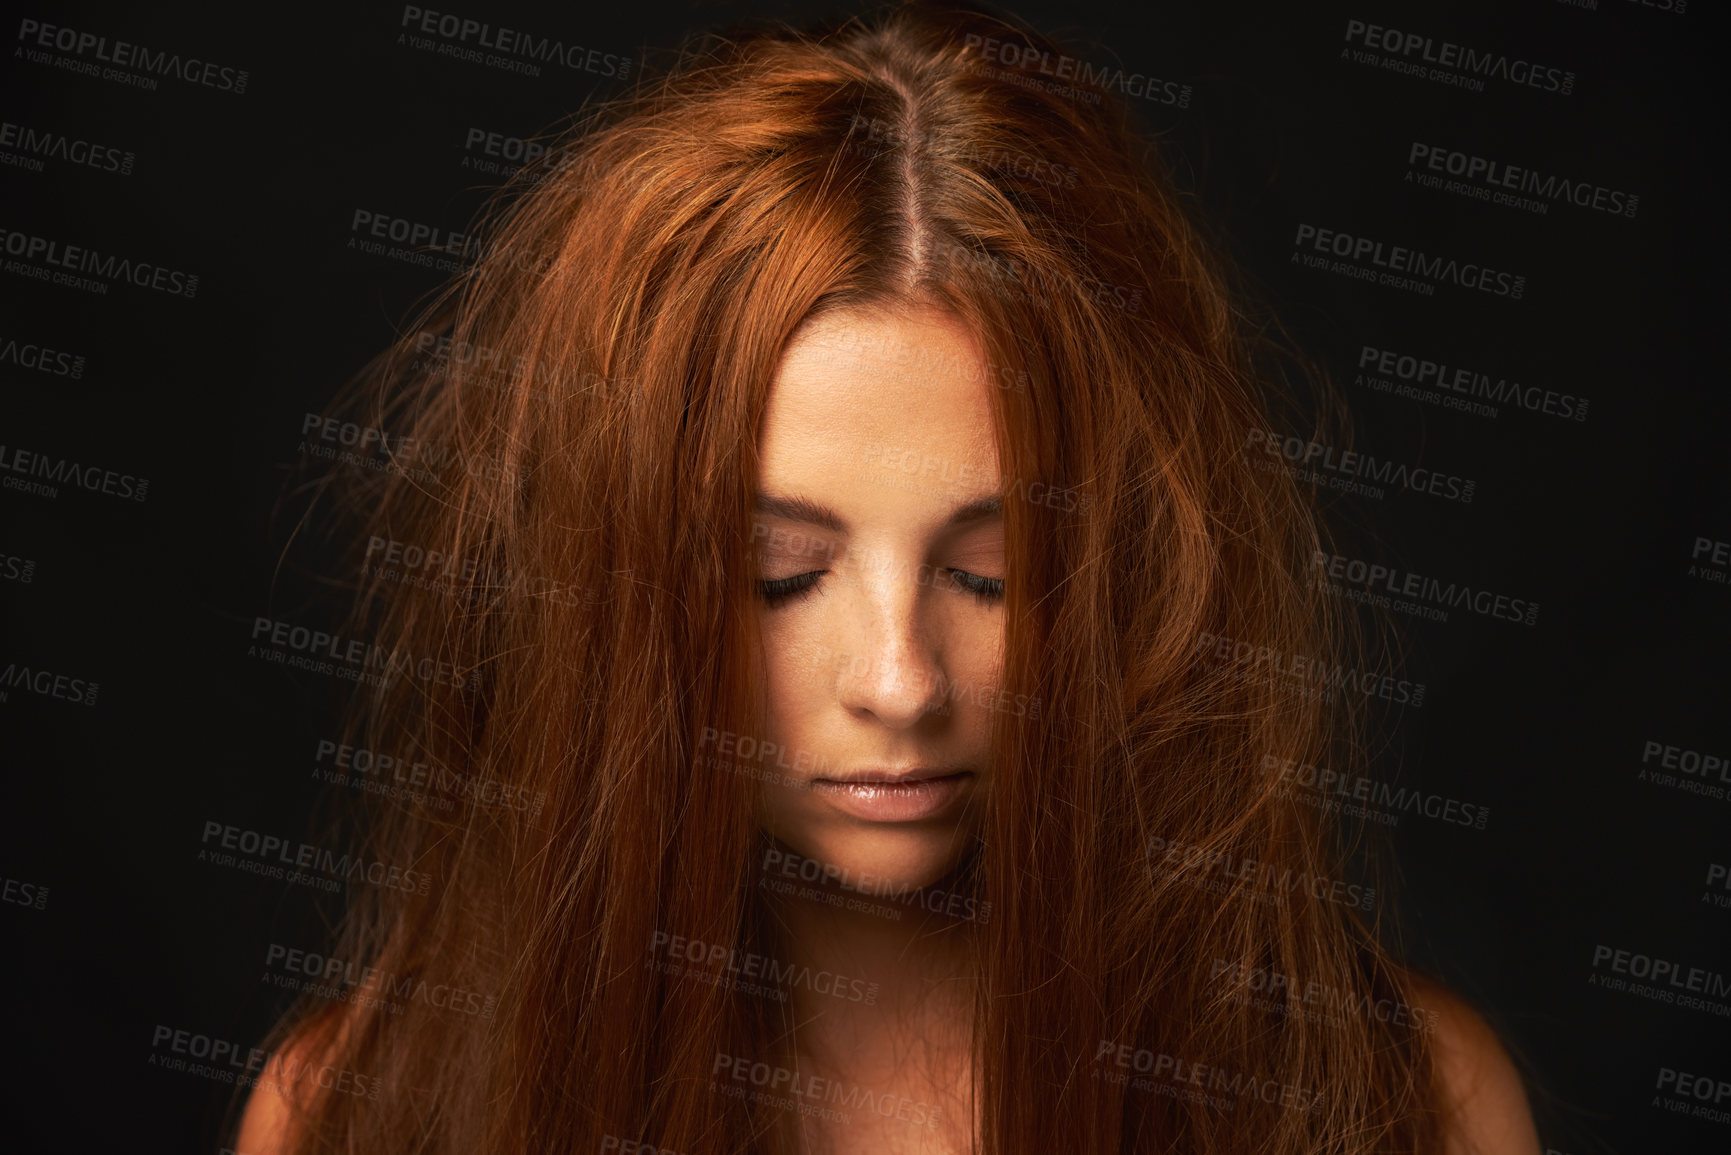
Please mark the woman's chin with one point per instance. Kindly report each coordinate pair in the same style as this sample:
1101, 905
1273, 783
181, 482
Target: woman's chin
872, 863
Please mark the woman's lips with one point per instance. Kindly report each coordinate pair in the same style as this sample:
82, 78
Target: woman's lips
895, 797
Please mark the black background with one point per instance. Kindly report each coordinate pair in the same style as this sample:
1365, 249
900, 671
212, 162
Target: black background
1595, 520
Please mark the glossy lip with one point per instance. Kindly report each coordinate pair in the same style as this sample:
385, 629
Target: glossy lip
895, 796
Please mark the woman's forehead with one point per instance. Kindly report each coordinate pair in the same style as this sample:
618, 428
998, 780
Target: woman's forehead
854, 384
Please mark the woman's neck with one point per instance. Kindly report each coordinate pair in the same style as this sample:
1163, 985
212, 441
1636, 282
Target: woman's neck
884, 1005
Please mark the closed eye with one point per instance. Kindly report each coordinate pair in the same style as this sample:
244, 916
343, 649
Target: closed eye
986, 590
779, 591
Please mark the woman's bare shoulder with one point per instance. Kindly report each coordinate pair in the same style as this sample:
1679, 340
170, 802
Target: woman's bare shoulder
267, 1125
1484, 1100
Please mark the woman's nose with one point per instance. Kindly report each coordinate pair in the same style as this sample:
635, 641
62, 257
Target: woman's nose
896, 672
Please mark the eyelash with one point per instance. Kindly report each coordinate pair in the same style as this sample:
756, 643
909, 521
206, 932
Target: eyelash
778, 591
985, 590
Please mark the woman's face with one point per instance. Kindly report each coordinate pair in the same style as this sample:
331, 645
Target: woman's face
879, 538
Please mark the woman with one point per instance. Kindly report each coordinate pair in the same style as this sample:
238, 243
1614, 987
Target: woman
870, 648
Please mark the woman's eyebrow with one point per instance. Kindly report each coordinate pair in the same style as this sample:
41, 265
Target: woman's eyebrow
979, 509
800, 509
803, 509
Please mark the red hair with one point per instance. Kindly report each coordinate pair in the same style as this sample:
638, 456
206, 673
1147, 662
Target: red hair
591, 389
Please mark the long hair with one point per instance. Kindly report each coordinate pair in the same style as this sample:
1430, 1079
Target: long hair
552, 524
